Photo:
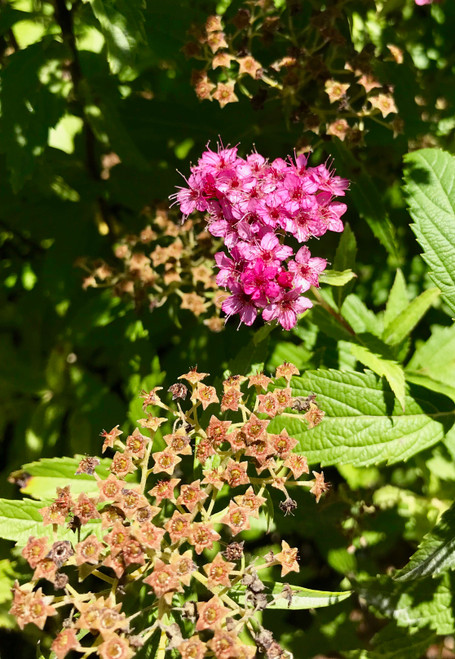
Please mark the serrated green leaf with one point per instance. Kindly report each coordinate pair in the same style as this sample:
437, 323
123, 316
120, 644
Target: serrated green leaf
398, 299
336, 278
435, 361
387, 368
49, 473
364, 423
21, 519
359, 317
422, 604
429, 185
403, 324
392, 643
436, 552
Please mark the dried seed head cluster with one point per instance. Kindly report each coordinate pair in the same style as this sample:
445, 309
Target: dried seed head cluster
165, 262
147, 530
305, 61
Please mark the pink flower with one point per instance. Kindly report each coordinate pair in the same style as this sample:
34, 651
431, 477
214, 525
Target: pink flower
269, 250
286, 308
230, 269
192, 198
255, 207
259, 282
306, 269
240, 303
218, 161
325, 180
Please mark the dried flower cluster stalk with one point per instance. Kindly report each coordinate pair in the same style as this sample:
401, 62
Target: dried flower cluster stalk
158, 532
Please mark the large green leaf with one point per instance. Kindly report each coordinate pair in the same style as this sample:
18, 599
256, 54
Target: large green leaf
436, 357
49, 473
422, 604
435, 554
364, 423
429, 178
392, 643
21, 519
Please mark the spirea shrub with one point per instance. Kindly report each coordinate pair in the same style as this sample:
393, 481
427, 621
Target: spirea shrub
264, 212
179, 540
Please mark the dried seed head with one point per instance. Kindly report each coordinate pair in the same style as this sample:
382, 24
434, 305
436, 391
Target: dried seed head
234, 551
87, 465
178, 390
288, 506
60, 552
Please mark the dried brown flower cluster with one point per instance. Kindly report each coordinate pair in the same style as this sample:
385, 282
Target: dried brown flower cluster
164, 261
148, 529
307, 63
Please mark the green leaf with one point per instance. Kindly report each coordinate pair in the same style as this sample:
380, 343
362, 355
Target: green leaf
433, 363
364, 423
367, 198
429, 185
436, 552
122, 26
398, 299
302, 598
20, 519
336, 278
284, 351
387, 368
49, 473
305, 598
422, 604
392, 643
360, 318
403, 324
429, 383
29, 107
326, 322
345, 256
7, 578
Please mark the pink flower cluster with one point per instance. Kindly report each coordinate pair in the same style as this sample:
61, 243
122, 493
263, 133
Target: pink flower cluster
258, 207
